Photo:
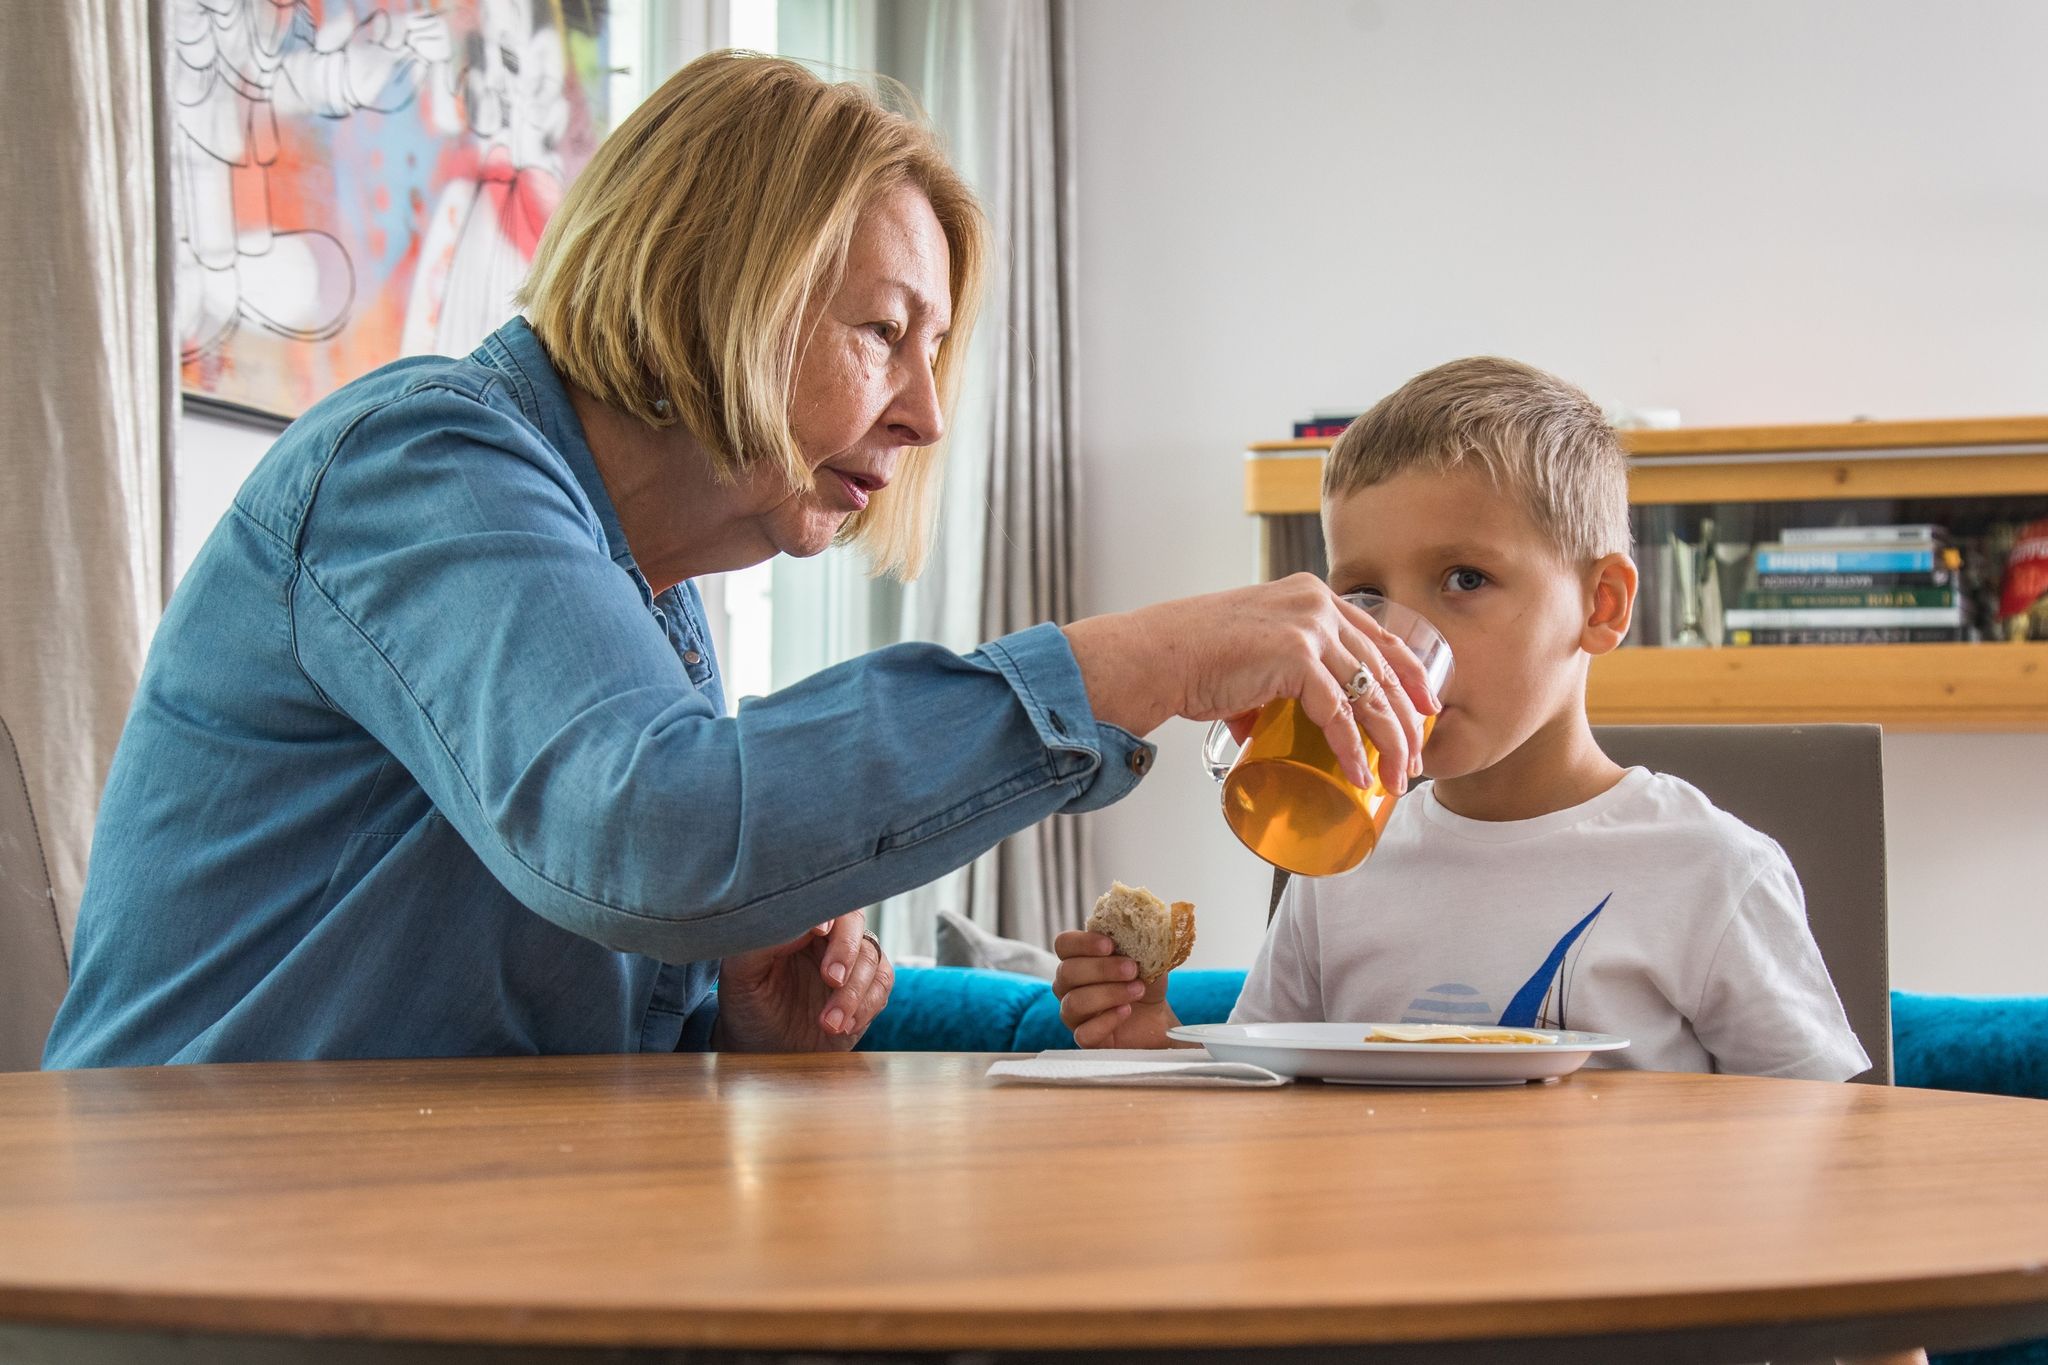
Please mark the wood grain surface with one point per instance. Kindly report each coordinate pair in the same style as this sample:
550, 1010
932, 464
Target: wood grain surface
1291, 485
904, 1202
1932, 687
1929, 433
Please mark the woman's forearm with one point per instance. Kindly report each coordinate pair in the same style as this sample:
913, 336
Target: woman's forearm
1130, 672
619, 805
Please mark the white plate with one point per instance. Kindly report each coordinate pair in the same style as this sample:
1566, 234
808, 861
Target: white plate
1339, 1052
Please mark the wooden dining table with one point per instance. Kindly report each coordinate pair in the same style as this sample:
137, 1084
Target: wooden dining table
716, 1207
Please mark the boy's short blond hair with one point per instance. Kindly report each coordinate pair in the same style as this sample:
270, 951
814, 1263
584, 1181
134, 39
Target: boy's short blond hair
673, 281
1539, 438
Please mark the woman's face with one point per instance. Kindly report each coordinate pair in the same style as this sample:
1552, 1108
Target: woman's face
864, 392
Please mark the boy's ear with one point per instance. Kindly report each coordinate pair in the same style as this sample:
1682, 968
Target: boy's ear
1610, 603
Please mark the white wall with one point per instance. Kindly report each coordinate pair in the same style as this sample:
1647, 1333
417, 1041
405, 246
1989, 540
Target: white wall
213, 458
1750, 212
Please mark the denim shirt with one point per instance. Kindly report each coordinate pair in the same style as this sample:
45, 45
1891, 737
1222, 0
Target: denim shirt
420, 766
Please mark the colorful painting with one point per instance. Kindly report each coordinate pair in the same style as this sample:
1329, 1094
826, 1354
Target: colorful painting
356, 182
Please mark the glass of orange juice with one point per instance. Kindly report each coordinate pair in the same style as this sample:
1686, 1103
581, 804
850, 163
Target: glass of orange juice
1285, 795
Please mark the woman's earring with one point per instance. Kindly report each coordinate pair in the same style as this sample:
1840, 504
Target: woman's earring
661, 407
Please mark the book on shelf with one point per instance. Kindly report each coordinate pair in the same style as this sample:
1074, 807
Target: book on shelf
1781, 558
1846, 635
1322, 426
1851, 618
1918, 533
1766, 597
1853, 582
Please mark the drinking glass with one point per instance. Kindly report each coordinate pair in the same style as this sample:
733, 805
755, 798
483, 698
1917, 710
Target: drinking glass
1286, 797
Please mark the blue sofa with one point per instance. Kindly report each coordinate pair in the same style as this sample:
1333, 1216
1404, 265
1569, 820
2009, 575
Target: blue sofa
1990, 1046
1993, 1046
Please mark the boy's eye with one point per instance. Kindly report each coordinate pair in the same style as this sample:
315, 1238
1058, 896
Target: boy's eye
1464, 580
1372, 588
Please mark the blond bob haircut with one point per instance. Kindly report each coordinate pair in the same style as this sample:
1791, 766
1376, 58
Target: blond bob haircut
1537, 437
675, 279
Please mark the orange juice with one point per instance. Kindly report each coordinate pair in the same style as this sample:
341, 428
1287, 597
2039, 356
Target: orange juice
1288, 799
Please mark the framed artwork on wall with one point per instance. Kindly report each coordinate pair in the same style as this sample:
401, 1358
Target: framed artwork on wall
360, 180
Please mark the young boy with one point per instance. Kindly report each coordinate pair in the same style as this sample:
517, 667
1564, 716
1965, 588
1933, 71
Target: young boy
1532, 881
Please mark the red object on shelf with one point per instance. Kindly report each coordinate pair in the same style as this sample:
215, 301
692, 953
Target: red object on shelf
2026, 573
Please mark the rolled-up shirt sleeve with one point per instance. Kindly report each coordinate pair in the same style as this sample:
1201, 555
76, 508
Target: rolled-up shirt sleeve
455, 597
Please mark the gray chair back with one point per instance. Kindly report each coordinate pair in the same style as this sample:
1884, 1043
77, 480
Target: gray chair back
33, 972
1819, 791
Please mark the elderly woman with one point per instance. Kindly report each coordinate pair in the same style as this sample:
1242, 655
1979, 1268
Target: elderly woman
430, 755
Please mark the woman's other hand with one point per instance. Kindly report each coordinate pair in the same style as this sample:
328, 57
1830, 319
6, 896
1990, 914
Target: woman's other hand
815, 993
1223, 655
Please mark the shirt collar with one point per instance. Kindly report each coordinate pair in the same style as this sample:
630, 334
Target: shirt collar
514, 351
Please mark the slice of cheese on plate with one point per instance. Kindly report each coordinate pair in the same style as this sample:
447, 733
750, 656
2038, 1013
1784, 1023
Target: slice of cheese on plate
1453, 1033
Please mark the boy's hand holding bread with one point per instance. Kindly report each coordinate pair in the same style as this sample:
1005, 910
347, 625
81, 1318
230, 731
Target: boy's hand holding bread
1111, 981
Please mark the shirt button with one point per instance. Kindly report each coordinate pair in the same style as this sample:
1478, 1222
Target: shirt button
692, 657
1140, 761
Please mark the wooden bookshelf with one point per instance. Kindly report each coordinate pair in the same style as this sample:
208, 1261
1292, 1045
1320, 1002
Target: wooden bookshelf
1970, 457
1984, 687
1903, 687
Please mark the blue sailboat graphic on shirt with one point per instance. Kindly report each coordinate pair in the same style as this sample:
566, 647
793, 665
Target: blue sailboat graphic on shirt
1529, 1003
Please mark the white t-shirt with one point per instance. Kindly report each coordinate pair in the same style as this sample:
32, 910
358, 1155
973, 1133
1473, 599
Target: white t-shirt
1645, 912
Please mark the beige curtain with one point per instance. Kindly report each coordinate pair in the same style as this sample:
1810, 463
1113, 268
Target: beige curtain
1036, 883
86, 412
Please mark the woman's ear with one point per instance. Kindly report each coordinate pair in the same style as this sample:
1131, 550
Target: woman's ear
1610, 603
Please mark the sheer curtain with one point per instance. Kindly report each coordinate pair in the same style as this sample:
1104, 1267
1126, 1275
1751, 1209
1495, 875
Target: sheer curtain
995, 77
87, 410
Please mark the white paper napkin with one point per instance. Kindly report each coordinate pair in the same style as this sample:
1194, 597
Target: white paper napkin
1177, 1066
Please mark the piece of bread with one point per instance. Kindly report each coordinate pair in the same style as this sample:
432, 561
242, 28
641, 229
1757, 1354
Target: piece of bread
1148, 931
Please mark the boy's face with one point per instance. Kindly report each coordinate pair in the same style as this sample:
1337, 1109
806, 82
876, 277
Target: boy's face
1468, 558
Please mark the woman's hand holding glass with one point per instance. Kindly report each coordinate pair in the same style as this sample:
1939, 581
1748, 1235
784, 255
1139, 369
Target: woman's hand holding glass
1284, 793
1224, 655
